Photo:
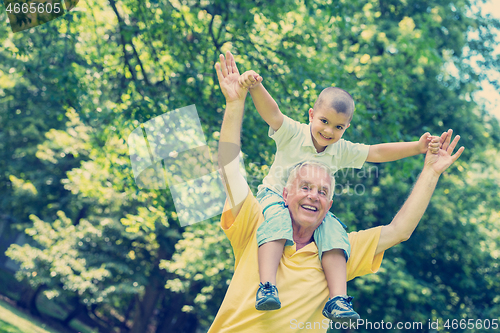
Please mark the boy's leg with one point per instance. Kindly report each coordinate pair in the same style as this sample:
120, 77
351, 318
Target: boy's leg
272, 236
334, 248
269, 259
335, 268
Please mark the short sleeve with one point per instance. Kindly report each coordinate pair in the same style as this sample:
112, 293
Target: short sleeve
363, 259
289, 129
352, 155
240, 229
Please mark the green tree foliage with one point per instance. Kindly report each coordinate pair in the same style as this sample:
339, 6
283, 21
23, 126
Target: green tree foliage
73, 89
33, 68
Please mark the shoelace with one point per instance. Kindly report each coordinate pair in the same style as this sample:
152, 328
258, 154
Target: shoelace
344, 301
268, 289
347, 301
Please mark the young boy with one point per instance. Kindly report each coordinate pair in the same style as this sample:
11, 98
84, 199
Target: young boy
321, 141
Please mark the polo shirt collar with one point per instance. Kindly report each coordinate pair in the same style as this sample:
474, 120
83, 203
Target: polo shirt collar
291, 250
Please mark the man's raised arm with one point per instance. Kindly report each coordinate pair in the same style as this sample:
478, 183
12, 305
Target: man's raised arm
230, 133
407, 219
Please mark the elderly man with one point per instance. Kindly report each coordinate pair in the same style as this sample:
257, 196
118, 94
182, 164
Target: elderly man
302, 284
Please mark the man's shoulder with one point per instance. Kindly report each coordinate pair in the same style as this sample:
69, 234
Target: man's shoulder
364, 241
250, 206
247, 206
370, 232
363, 259
240, 228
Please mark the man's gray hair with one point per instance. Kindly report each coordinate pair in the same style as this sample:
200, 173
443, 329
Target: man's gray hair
294, 172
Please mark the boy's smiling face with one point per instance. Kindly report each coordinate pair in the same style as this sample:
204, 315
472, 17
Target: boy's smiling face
327, 126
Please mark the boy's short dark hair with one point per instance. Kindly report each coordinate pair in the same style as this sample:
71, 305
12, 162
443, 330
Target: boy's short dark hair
337, 99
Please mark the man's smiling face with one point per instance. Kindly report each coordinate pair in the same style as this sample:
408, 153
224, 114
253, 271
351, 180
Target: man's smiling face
308, 196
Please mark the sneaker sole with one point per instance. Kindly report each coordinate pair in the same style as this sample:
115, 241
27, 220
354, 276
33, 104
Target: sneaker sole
269, 305
340, 319
345, 320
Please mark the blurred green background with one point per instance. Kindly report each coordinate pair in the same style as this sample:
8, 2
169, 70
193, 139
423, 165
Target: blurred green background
92, 252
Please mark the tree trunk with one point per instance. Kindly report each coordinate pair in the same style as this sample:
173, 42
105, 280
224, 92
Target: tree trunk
28, 298
154, 291
78, 307
171, 317
32, 302
123, 327
184, 322
85, 318
168, 313
26, 294
146, 306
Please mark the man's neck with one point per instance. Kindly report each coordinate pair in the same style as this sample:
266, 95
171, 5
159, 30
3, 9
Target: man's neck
302, 238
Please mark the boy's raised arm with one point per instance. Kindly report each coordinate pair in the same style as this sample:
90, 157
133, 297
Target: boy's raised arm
264, 103
387, 152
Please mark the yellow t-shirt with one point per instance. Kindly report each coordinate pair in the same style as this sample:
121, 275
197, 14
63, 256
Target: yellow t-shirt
301, 283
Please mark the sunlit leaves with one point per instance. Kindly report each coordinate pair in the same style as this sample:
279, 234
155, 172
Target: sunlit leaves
72, 91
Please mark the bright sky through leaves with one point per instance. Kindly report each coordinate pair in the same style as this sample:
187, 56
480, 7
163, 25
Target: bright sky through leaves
489, 94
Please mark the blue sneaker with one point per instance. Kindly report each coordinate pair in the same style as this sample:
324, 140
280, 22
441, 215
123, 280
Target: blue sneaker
267, 297
340, 309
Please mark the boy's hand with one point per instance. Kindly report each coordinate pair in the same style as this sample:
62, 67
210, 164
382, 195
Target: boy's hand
429, 142
249, 79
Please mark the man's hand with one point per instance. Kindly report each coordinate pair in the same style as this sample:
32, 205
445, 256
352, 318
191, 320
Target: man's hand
426, 142
249, 79
408, 217
440, 161
228, 76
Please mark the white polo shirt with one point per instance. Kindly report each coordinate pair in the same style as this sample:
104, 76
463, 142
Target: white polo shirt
294, 145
